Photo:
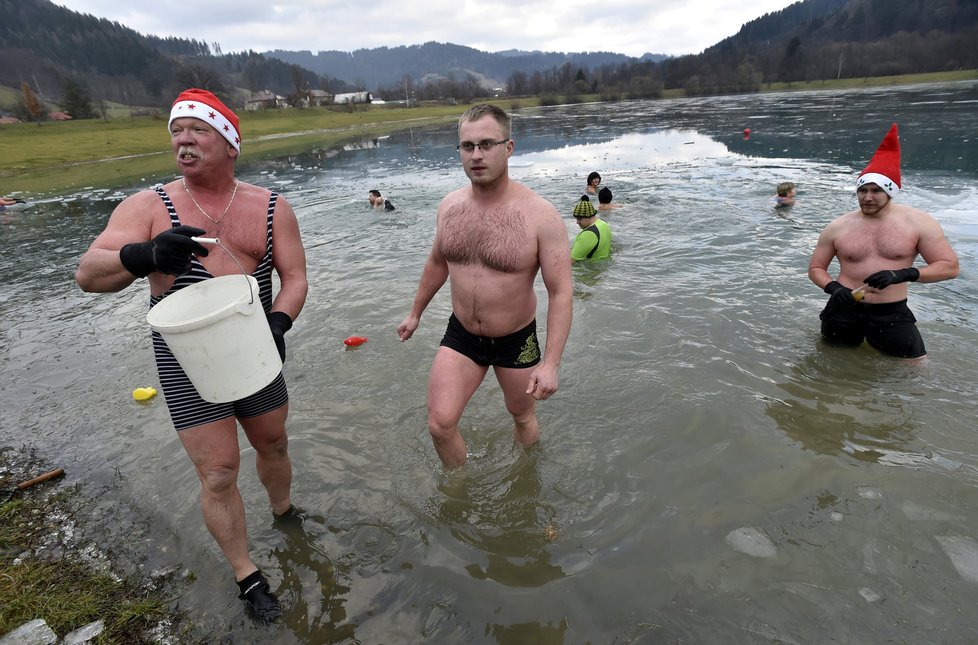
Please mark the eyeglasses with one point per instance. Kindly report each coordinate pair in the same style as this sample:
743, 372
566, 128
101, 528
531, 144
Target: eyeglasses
485, 145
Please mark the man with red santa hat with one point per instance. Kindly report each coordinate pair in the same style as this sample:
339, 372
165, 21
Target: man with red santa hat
149, 235
876, 246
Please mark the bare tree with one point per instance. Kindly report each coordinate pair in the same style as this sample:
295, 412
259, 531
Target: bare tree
298, 82
30, 106
201, 77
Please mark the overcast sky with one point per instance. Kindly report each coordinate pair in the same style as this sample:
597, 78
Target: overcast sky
631, 27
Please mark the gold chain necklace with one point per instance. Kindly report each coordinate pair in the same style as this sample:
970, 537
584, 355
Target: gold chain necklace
226, 208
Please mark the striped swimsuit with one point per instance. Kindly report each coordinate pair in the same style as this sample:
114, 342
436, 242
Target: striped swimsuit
186, 407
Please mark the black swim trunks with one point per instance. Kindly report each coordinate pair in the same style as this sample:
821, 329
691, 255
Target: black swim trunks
519, 349
889, 327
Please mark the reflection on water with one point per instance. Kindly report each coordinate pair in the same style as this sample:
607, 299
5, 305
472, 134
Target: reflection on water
835, 403
501, 515
310, 588
709, 471
587, 275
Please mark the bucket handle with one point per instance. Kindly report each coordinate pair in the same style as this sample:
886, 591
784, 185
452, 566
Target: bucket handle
217, 240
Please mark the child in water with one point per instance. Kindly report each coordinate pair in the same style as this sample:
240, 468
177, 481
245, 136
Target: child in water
785, 196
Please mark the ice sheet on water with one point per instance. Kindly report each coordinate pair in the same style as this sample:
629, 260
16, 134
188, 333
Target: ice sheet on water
869, 492
963, 552
752, 541
919, 513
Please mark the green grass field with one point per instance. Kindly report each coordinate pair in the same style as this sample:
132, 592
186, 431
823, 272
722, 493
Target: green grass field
876, 81
58, 157
855, 83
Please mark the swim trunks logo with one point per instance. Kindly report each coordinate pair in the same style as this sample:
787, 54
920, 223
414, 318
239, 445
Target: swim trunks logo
529, 352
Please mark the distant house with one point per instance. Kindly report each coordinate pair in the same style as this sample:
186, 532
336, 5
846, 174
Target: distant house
59, 116
266, 100
4, 120
317, 98
352, 97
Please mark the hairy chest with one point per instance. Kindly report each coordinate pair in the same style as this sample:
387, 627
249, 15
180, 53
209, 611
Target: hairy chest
498, 239
243, 233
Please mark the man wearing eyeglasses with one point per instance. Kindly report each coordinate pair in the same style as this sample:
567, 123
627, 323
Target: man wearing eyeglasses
491, 239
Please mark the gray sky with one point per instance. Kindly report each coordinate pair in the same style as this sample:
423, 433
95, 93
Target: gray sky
631, 27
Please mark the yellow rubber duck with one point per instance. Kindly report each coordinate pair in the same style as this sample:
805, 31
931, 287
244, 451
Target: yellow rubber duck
143, 393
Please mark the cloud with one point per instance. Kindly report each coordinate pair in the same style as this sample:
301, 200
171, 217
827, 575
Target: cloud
631, 27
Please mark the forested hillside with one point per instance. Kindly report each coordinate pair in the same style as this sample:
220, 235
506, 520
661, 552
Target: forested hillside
822, 39
59, 53
46, 45
389, 65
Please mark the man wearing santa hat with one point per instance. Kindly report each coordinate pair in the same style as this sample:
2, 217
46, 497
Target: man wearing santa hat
149, 235
877, 245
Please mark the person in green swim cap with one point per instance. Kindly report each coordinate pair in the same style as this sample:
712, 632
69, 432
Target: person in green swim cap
594, 240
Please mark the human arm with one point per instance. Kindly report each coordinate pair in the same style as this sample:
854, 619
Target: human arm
555, 268
936, 251
818, 269
433, 276
130, 248
289, 261
886, 277
822, 256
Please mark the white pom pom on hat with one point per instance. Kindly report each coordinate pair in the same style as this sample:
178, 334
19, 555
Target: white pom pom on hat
884, 168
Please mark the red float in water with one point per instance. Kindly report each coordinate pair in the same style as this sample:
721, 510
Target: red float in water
355, 341
746, 132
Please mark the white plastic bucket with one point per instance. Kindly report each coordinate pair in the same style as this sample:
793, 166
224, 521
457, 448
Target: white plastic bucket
218, 332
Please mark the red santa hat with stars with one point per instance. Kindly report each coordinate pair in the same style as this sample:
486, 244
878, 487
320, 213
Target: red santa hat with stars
884, 168
203, 105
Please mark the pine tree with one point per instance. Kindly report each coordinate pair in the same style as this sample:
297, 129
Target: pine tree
75, 101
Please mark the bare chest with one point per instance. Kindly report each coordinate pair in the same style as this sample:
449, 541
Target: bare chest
872, 240
243, 232
497, 239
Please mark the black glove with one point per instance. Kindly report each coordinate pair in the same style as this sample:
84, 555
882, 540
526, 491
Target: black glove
883, 279
169, 252
279, 322
841, 295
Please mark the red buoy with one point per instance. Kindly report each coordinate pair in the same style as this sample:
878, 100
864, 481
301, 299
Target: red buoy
355, 341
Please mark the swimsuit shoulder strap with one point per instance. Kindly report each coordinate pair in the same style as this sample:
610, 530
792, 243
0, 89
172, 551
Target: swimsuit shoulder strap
597, 234
174, 220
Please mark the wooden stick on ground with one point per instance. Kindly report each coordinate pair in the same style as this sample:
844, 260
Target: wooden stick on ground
57, 472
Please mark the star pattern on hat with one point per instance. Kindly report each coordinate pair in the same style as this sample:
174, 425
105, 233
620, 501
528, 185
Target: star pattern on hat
222, 118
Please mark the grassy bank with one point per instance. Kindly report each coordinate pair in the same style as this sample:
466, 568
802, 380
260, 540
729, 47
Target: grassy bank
858, 83
54, 567
58, 157
875, 81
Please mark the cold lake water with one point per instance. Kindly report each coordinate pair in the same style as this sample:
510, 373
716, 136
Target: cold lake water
709, 471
